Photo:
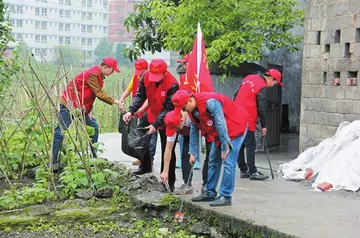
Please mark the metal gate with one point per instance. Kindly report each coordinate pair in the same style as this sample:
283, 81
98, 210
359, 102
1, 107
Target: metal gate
273, 96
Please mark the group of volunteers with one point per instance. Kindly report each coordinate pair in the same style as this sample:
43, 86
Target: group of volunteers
165, 106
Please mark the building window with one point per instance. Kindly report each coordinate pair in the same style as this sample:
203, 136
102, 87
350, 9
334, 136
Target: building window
37, 52
89, 29
61, 1
89, 54
43, 25
89, 16
19, 9
12, 8
19, 37
61, 26
12, 21
67, 14
120, 20
105, 30
67, 2
105, 16
89, 3
61, 40
43, 39
43, 52
61, 13
37, 11
37, 38
121, 9
67, 27
83, 15
120, 32
83, 41
83, 28
89, 41
37, 25
83, 3
105, 3
67, 40
19, 23
44, 12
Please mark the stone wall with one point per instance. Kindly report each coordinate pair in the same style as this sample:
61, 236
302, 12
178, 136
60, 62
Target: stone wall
331, 55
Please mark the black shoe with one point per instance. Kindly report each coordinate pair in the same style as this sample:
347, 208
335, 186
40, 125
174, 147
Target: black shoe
245, 174
203, 198
258, 176
142, 170
164, 189
221, 201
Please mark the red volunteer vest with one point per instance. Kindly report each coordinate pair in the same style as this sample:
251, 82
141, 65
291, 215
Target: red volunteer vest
236, 118
246, 98
135, 85
156, 96
78, 89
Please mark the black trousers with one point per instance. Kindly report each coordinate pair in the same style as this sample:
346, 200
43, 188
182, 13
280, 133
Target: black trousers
206, 164
185, 164
250, 145
146, 161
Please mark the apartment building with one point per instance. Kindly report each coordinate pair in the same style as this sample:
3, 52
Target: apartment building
45, 24
119, 10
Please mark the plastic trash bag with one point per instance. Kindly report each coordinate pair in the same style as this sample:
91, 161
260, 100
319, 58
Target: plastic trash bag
134, 141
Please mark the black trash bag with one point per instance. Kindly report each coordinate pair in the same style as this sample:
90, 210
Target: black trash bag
134, 141
122, 123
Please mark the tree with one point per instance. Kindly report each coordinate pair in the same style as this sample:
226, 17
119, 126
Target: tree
119, 54
234, 31
5, 28
103, 50
70, 55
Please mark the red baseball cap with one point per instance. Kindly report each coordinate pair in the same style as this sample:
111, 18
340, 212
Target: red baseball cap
157, 68
140, 66
180, 98
172, 121
275, 74
185, 59
111, 62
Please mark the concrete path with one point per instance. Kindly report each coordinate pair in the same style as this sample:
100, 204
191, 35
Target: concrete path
289, 207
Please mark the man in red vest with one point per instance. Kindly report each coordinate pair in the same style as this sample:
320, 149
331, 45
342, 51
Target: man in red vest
81, 93
178, 124
225, 124
251, 95
141, 66
157, 86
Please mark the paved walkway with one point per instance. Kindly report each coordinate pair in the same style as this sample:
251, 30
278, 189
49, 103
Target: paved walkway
286, 206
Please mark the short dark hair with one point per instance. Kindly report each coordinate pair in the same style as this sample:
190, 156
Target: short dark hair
103, 64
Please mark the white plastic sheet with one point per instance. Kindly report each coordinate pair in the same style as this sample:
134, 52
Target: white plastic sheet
335, 160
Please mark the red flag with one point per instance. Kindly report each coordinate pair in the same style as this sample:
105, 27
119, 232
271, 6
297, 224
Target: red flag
198, 77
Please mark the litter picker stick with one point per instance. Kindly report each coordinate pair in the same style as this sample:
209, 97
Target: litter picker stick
268, 156
179, 216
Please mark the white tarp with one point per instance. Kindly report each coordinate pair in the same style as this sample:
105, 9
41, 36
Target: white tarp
335, 160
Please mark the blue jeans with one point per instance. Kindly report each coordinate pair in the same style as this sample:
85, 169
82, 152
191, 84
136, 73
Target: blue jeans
228, 179
197, 155
65, 121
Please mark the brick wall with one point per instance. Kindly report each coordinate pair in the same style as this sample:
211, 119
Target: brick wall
331, 51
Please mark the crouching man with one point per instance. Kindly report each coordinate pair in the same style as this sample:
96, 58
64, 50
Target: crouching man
225, 124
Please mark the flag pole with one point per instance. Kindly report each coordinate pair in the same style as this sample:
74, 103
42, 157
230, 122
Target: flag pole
198, 62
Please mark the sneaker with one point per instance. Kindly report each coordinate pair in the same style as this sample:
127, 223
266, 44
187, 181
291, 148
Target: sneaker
178, 164
184, 189
136, 162
221, 201
164, 190
258, 176
203, 198
245, 174
197, 165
